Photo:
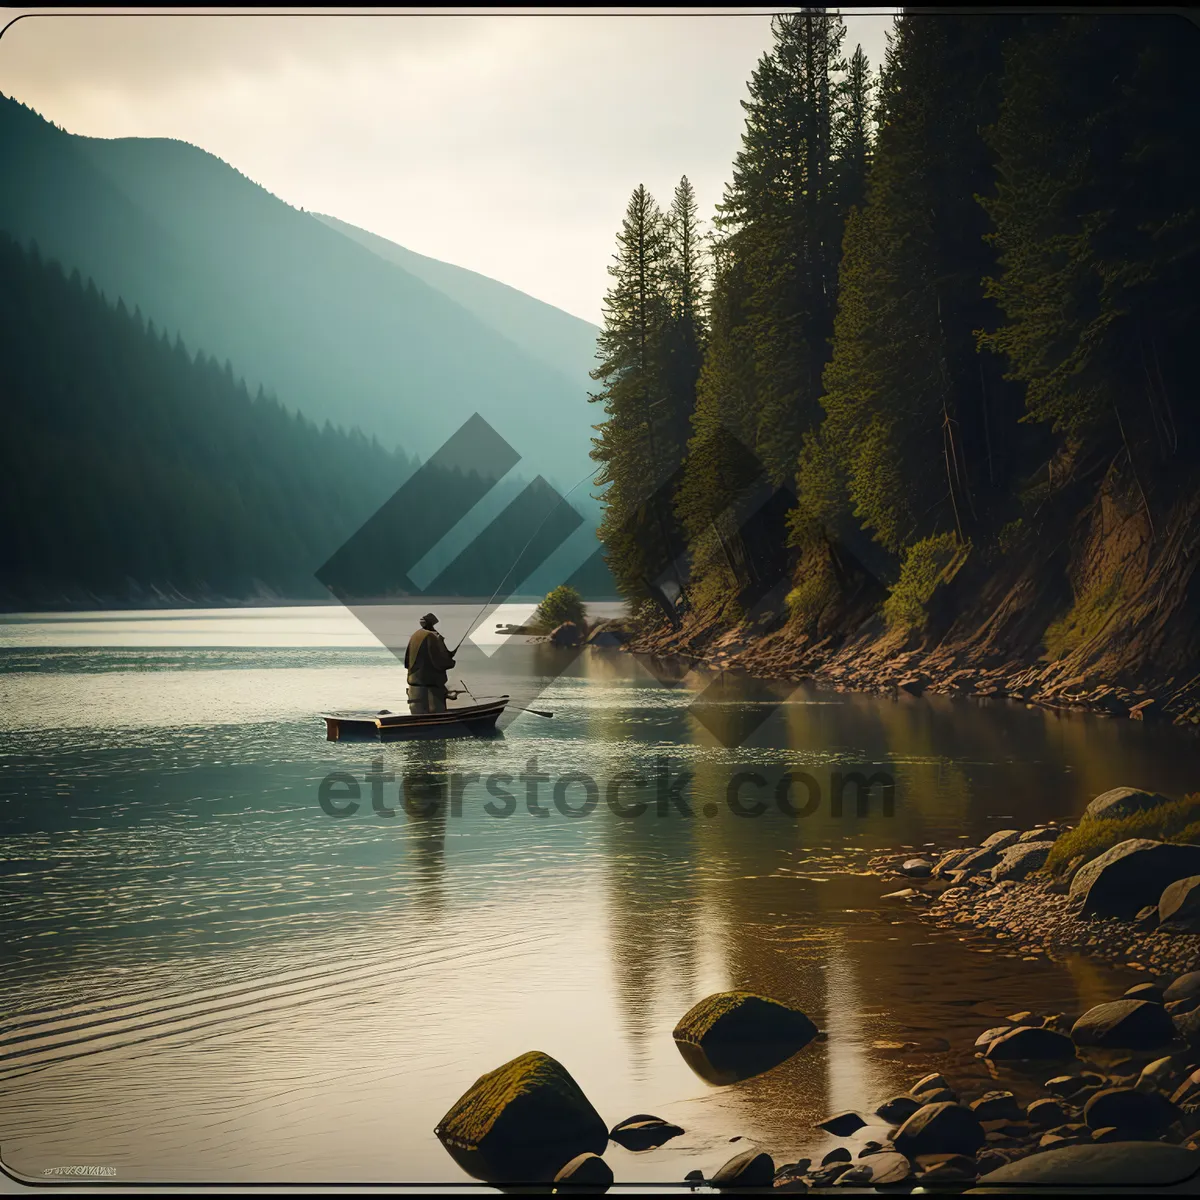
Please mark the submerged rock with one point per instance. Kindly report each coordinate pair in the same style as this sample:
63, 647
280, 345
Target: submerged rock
584, 1173
750, 1169
1030, 1044
643, 1132
522, 1122
1124, 1025
898, 1108
1131, 875
842, 1124
734, 1035
944, 1128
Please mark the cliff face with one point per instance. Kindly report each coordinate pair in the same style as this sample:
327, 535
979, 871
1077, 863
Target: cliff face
1096, 606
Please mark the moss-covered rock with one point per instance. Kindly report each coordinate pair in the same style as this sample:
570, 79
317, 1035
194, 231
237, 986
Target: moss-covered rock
522, 1122
732, 1035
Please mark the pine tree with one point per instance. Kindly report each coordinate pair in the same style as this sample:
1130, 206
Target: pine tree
1098, 233
634, 442
852, 133
908, 432
783, 200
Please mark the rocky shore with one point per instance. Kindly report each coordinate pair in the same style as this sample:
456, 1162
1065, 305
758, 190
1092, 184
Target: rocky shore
1110, 1097
1130, 903
882, 664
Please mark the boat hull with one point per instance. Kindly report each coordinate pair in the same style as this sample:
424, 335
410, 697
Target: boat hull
477, 720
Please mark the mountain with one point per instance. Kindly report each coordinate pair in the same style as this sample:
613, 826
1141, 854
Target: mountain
132, 468
556, 338
333, 327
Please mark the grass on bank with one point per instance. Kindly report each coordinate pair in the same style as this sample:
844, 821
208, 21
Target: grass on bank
1178, 821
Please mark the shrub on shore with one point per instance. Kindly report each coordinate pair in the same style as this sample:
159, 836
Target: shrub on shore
562, 604
1175, 821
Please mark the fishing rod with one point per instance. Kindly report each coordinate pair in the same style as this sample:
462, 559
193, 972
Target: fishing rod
510, 570
537, 712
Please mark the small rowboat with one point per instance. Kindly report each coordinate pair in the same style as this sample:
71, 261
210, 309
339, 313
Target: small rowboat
474, 720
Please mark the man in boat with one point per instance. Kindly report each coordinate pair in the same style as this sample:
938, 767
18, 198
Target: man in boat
427, 660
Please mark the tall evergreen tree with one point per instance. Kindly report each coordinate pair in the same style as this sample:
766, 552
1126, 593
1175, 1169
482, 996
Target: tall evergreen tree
1098, 233
909, 430
784, 201
635, 438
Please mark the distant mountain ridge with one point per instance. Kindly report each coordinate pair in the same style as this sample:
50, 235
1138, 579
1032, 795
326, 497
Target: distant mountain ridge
563, 342
336, 322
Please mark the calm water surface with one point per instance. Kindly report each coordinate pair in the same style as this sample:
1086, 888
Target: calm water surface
208, 978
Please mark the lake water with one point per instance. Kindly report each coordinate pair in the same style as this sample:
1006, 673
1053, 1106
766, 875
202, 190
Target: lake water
209, 978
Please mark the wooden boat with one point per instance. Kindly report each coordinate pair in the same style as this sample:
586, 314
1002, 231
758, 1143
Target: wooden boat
473, 720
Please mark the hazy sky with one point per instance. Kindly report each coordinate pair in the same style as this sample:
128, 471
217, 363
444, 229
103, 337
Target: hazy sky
506, 141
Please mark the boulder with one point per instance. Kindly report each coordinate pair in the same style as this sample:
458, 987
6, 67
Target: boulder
1046, 1113
1140, 1165
1159, 1075
566, 634
952, 859
584, 1173
943, 1128
733, 1035
1124, 1025
1186, 987
750, 1169
1001, 840
886, 1166
1021, 860
927, 1083
522, 1122
1030, 1045
947, 1168
916, 868
997, 1106
1131, 875
990, 1035
1179, 906
1043, 833
643, 1132
1121, 802
977, 861
1131, 1111
842, 1124
898, 1109
1144, 991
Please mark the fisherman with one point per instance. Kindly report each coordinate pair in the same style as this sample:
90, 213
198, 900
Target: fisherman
427, 660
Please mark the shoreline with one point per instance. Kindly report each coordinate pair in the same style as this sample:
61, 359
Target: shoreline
880, 665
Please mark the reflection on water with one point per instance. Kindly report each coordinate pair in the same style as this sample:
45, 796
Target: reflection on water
207, 977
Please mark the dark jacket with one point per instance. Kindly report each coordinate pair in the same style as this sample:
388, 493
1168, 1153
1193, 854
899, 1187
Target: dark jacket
427, 659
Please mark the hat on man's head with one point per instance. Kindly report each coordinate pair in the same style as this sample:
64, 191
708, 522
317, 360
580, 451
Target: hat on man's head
429, 620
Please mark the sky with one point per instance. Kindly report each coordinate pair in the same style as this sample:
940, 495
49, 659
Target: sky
503, 140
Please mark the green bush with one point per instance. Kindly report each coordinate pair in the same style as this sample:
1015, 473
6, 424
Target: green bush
926, 564
1178, 821
562, 604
